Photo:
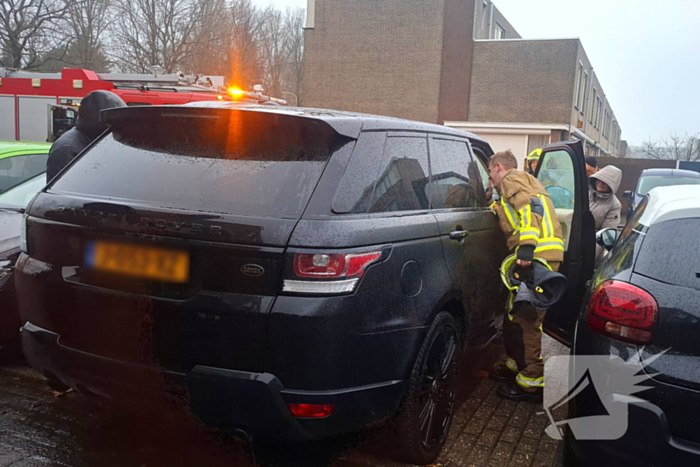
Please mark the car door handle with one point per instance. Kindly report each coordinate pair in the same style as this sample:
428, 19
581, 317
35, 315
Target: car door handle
459, 234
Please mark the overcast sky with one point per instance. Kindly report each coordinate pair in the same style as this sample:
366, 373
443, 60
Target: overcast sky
646, 54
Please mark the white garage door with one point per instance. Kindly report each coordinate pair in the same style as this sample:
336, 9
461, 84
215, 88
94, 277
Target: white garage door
7, 118
34, 117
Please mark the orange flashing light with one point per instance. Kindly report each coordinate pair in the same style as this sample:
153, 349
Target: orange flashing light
235, 92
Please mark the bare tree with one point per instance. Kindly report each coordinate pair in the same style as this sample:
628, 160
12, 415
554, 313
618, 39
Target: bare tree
274, 52
31, 28
681, 148
243, 51
87, 22
294, 21
157, 33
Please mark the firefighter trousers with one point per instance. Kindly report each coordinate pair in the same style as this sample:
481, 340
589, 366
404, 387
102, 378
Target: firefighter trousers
522, 335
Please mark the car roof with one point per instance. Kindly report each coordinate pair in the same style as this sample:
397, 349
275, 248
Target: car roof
346, 123
16, 148
671, 202
671, 173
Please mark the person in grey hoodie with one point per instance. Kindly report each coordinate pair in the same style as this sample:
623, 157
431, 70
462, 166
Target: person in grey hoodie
86, 130
604, 205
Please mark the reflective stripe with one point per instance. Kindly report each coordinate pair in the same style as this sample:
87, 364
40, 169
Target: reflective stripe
548, 227
526, 382
510, 214
511, 365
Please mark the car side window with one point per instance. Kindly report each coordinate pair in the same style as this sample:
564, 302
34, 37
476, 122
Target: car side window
455, 181
17, 169
357, 185
557, 177
403, 175
483, 173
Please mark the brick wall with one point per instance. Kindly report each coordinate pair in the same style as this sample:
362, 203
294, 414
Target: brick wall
523, 81
376, 56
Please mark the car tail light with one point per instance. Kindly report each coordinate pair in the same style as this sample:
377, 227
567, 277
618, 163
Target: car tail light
311, 410
328, 273
624, 312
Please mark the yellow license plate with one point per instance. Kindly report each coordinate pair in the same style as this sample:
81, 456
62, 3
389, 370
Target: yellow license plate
139, 261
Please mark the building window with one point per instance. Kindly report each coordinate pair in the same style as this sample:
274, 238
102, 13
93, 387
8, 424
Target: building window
591, 106
582, 93
577, 85
499, 32
599, 113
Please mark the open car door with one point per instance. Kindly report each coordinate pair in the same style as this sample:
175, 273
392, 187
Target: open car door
562, 172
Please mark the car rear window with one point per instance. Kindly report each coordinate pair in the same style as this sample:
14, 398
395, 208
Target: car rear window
646, 184
242, 163
670, 253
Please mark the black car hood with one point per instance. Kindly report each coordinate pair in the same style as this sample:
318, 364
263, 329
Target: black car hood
10, 227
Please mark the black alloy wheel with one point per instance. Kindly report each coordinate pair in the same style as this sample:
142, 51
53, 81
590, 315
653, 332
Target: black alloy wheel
425, 417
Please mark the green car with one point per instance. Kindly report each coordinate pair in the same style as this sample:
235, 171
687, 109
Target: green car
21, 161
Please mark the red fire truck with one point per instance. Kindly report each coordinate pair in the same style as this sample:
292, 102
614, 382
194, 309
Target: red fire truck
42, 106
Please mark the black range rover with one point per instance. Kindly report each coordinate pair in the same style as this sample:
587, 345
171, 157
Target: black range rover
287, 272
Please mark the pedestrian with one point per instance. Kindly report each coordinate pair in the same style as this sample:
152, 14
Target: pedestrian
603, 203
591, 165
533, 160
86, 130
527, 217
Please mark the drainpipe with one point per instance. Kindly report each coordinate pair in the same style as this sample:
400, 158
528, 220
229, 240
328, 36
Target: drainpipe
491, 21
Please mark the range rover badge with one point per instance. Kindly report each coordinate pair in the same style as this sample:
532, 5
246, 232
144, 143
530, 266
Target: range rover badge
252, 270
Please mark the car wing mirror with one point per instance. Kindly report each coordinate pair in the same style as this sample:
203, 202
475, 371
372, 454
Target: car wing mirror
606, 238
627, 194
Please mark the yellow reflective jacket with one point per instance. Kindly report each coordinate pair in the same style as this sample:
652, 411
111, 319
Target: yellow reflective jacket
527, 216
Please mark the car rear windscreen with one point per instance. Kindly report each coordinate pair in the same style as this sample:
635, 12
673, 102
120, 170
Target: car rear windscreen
650, 182
670, 253
235, 162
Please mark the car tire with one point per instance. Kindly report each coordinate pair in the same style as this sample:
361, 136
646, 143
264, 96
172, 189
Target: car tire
423, 420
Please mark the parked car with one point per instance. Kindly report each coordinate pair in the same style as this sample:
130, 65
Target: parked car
19, 162
12, 205
651, 178
644, 298
296, 272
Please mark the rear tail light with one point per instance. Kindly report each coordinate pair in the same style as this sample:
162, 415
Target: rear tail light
328, 273
624, 312
311, 410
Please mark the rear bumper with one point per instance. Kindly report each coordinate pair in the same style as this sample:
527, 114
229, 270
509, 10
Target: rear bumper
254, 403
647, 442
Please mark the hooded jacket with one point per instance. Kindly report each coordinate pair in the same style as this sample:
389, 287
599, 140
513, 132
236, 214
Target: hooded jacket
523, 193
86, 130
605, 207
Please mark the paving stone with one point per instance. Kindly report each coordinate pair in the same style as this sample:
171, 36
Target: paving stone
511, 434
497, 423
488, 438
520, 460
549, 445
475, 426
478, 457
483, 412
527, 446
544, 459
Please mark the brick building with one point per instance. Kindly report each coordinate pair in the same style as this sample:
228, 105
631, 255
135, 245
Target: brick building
459, 63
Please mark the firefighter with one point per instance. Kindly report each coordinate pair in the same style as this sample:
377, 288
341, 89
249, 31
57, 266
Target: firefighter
527, 217
533, 159
86, 130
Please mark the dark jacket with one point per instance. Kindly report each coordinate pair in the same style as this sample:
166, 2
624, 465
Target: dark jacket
87, 128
